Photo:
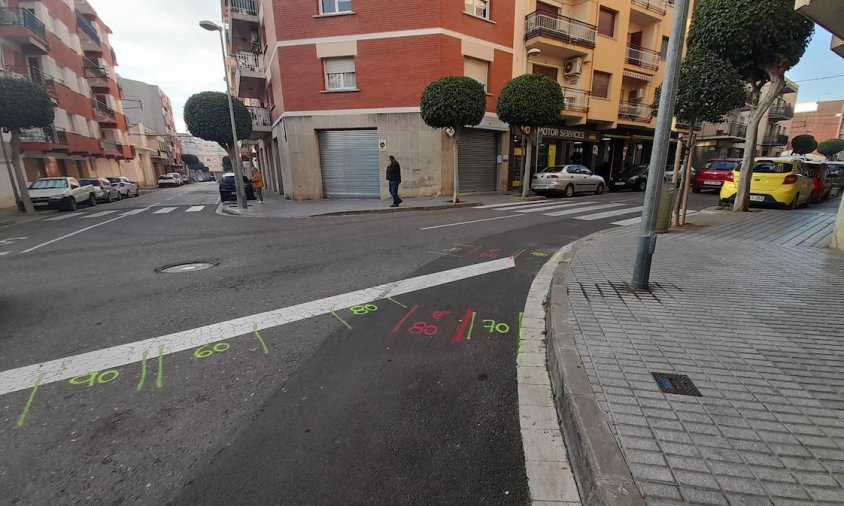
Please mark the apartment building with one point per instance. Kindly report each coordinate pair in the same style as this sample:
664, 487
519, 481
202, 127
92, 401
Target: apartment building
824, 120
62, 45
209, 153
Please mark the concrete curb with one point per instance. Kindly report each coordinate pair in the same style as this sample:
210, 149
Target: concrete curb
602, 474
400, 209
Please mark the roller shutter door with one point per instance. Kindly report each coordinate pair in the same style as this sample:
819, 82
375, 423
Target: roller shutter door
350, 164
476, 161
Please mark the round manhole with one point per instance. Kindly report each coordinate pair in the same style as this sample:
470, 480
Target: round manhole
185, 267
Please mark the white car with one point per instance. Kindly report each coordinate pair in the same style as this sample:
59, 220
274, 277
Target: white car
567, 180
167, 180
62, 193
177, 177
125, 186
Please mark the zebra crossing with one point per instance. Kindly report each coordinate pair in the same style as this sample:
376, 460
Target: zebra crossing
582, 210
86, 215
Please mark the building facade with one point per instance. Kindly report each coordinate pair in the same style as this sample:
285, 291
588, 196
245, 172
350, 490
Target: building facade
62, 45
209, 153
823, 120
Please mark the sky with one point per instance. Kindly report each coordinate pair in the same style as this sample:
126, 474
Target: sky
160, 42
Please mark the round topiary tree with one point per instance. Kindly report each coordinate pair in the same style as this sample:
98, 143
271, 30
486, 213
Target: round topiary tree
803, 144
453, 102
528, 102
831, 147
23, 104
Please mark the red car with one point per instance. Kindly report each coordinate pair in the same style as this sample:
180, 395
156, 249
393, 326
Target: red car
713, 174
823, 185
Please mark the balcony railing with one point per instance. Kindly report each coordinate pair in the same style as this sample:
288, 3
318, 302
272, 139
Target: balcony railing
781, 111
653, 5
576, 100
102, 107
94, 69
629, 111
732, 129
46, 135
14, 16
775, 140
83, 24
560, 28
260, 116
110, 147
243, 7
249, 62
642, 57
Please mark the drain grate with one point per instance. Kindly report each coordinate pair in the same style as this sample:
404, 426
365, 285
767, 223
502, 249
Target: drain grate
185, 267
679, 384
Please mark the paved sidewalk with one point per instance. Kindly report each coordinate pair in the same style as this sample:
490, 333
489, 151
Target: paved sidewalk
750, 310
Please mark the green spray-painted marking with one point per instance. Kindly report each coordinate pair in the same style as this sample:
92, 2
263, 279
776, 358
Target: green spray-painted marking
28, 405
471, 326
143, 373
556, 257
341, 320
159, 378
261, 340
396, 302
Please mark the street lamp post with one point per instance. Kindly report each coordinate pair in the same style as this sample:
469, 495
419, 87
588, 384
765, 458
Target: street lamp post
236, 165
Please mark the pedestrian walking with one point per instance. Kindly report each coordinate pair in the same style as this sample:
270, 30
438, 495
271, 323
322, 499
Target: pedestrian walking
394, 178
258, 184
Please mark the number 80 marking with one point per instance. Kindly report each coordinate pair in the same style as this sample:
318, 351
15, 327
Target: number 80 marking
364, 309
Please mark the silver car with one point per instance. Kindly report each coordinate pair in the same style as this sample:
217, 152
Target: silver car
567, 180
124, 185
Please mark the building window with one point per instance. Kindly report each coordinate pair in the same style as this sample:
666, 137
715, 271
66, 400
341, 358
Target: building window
340, 74
335, 6
545, 71
606, 22
476, 69
601, 84
478, 8
663, 49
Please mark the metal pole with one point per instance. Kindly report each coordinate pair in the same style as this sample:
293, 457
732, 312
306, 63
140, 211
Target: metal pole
236, 165
656, 170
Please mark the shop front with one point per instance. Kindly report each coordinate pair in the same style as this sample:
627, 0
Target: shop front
554, 146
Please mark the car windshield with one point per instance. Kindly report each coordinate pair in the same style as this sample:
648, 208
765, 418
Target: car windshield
768, 167
92, 182
553, 168
42, 184
720, 165
165, 177
113, 179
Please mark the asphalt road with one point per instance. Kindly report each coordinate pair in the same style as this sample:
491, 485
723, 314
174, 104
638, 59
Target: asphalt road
383, 401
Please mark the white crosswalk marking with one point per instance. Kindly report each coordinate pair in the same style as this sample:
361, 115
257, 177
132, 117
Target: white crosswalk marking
101, 213
550, 207
164, 210
610, 214
134, 211
638, 219
581, 209
511, 204
64, 216
194, 209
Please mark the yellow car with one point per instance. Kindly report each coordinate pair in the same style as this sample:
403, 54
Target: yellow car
783, 181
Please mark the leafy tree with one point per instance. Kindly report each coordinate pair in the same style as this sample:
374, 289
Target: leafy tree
189, 159
227, 164
453, 102
762, 39
803, 144
207, 117
831, 147
528, 102
23, 104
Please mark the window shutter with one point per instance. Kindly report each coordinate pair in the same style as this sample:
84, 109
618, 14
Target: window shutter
476, 69
339, 65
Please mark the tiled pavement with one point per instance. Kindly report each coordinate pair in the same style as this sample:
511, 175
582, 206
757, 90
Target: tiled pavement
758, 327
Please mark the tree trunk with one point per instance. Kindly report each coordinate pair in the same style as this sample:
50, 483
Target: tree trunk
678, 158
455, 139
21, 180
760, 107
687, 172
526, 173
12, 181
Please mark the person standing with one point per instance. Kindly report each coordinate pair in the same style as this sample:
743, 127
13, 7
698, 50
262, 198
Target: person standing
394, 178
258, 184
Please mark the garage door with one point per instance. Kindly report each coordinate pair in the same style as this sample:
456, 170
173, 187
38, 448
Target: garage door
350, 164
476, 161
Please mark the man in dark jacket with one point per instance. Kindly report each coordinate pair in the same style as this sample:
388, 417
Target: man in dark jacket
394, 177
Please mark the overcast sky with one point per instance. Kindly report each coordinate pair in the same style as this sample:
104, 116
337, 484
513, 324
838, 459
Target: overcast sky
160, 42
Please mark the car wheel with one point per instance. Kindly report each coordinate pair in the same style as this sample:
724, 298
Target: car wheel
599, 189
642, 185
70, 205
793, 204
92, 200
695, 189
119, 196
109, 198
568, 191
136, 192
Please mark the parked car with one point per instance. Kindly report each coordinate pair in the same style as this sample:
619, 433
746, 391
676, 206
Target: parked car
178, 177
823, 185
62, 193
566, 180
669, 174
167, 180
228, 191
780, 181
835, 173
125, 186
633, 177
713, 174
103, 189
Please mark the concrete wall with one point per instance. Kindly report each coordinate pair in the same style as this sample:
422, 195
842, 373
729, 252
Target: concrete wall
151, 114
838, 231
7, 195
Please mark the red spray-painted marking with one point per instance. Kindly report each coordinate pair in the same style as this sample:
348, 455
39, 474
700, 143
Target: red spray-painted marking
461, 329
399, 324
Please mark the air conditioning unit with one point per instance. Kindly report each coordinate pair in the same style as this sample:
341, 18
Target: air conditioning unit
570, 101
573, 67
636, 95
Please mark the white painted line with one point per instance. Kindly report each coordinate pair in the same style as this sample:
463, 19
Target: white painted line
194, 209
134, 211
101, 213
3, 253
65, 216
116, 356
582, 210
630, 221
610, 214
164, 210
473, 221
534, 205
548, 208
511, 204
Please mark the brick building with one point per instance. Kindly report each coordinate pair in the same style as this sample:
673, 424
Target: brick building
824, 120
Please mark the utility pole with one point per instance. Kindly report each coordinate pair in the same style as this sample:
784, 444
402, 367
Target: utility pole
656, 171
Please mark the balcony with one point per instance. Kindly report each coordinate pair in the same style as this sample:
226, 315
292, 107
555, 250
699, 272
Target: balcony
110, 149
262, 122
657, 6
96, 74
104, 114
641, 57
48, 138
249, 74
630, 111
21, 26
562, 28
92, 42
576, 100
775, 140
780, 112
732, 130
37, 76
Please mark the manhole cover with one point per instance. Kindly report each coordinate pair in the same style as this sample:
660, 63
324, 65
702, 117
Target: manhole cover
185, 267
676, 384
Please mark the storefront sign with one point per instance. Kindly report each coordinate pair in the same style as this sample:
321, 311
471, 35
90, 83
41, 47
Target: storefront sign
569, 134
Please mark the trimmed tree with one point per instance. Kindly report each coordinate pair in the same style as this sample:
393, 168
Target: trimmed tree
803, 144
23, 104
453, 102
831, 147
528, 102
762, 39
189, 159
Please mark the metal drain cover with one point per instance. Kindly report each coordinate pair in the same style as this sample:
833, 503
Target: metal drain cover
676, 384
185, 267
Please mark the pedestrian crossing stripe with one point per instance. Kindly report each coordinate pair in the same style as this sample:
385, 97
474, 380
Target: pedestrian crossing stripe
555, 209
130, 212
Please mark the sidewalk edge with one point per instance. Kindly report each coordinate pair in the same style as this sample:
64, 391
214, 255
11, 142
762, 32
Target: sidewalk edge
399, 209
602, 474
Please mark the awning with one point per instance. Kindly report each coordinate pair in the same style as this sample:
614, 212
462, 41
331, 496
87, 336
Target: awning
636, 75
